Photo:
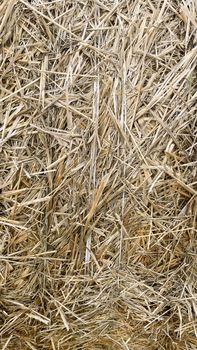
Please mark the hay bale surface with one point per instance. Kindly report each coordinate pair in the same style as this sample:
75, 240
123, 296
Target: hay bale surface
98, 174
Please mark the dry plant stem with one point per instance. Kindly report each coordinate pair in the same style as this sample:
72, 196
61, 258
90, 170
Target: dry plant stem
98, 185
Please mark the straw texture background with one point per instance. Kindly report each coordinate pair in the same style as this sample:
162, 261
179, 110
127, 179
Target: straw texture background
98, 145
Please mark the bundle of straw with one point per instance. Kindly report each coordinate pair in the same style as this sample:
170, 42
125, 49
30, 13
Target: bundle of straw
98, 180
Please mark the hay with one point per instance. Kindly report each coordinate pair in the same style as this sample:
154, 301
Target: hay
98, 174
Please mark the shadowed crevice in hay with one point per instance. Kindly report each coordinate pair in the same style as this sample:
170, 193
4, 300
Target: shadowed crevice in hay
98, 174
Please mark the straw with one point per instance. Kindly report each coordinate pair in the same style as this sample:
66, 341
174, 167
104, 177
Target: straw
98, 178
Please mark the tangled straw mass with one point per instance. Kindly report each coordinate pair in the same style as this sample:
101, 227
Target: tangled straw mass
98, 141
